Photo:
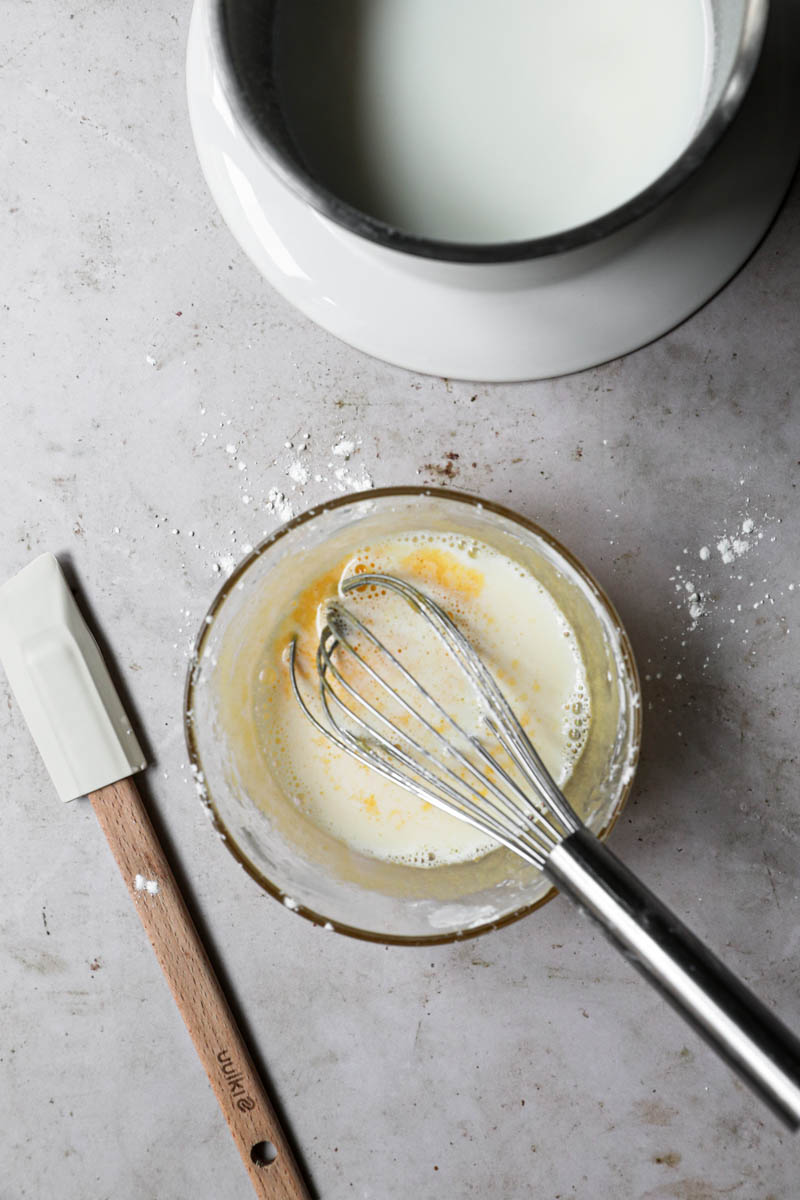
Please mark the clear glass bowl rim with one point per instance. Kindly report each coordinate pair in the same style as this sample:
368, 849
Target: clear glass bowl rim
353, 499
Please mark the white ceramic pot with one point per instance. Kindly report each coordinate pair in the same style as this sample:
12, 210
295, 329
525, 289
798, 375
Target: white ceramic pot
251, 42
510, 312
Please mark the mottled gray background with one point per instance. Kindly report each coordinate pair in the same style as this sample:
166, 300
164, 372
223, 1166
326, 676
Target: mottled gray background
138, 343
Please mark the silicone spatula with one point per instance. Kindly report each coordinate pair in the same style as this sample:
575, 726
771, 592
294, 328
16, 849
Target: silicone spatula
72, 709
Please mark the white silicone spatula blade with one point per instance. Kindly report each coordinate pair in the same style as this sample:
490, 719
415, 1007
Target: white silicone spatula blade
62, 684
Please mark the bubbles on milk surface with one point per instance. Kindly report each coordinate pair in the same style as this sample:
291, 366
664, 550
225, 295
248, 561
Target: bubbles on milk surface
520, 633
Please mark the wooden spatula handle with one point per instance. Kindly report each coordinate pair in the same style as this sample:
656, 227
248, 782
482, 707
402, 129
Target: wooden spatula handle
197, 993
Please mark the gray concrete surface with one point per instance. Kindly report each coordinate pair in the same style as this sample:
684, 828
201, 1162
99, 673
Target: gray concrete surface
532, 1062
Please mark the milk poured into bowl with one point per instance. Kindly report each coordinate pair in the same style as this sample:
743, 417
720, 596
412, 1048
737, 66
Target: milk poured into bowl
491, 120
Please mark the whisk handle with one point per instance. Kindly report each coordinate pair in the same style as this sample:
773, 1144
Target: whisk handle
732, 1020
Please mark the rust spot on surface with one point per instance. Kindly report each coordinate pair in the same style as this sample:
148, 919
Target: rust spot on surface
668, 1160
445, 470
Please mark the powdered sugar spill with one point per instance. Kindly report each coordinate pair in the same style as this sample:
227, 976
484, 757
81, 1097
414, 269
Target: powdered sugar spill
141, 884
224, 564
342, 478
298, 473
699, 592
264, 490
302, 471
298, 467
722, 594
277, 503
346, 481
733, 545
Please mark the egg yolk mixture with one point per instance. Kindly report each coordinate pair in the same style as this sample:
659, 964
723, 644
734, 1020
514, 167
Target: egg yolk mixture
512, 622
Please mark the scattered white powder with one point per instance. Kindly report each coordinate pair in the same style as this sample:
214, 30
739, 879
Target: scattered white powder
720, 597
628, 772
697, 608
200, 787
278, 504
290, 903
259, 498
146, 885
224, 564
734, 545
347, 482
725, 549
298, 473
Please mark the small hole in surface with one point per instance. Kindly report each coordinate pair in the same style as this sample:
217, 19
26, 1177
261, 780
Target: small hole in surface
263, 1153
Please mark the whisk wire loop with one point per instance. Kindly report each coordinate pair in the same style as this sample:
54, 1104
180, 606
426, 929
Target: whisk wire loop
376, 752
460, 775
497, 712
335, 636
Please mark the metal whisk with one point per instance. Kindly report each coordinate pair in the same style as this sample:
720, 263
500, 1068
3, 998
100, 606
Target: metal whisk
508, 794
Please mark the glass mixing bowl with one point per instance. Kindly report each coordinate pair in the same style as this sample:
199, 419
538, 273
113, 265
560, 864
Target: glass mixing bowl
305, 867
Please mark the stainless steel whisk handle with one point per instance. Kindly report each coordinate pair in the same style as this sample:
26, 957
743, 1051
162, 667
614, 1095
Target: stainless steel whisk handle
732, 1020
463, 777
